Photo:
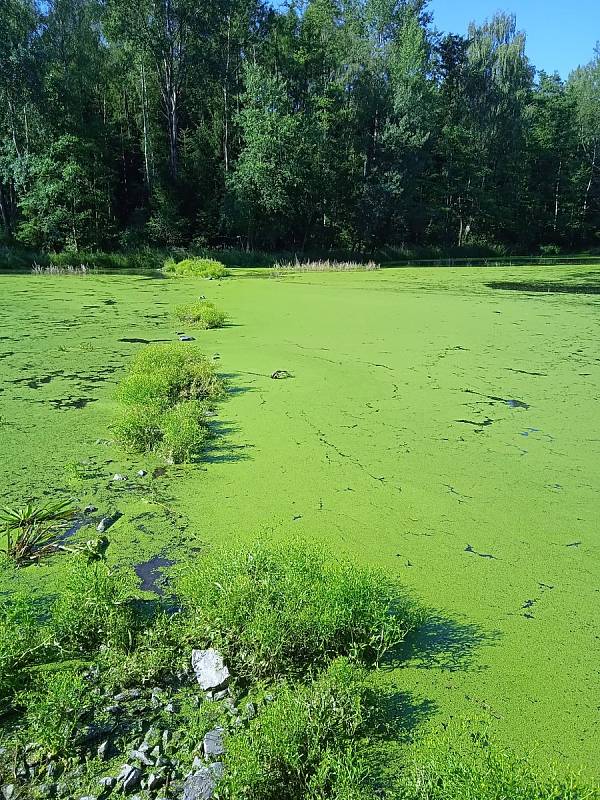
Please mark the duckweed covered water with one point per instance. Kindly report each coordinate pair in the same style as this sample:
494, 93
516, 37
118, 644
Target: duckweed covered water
435, 424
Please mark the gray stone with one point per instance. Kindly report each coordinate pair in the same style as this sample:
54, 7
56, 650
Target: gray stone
119, 477
221, 695
155, 782
130, 777
88, 797
186, 338
128, 694
155, 752
104, 524
170, 708
209, 668
137, 755
200, 785
89, 509
142, 473
217, 769
166, 737
212, 743
114, 710
249, 710
108, 783
103, 750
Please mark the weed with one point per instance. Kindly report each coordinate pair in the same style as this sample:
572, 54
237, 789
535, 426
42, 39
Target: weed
197, 268
93, 610
303, 745
31, 531
202, 314
54, 706
19, 641
326, 265
184, 429
280, 610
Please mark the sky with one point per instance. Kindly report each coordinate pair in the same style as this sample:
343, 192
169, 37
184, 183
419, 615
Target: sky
561, 34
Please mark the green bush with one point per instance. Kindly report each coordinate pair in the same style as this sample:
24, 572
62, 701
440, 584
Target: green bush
54, 706
281, 609
460, 763
197, 268
93, 610
165, 397
19, 641
202, 314
303, 745
184, 431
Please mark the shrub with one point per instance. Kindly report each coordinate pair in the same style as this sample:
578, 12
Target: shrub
463, 764
303, 746
53, 708
197, 268
184, 431
165, 396
31, 531
93, 610
19, 641
279, 610
202, 314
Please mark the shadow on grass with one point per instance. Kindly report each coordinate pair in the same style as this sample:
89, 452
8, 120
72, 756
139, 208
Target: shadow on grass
444, 644
219, 450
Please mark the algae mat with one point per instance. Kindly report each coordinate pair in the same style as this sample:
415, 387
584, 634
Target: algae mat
440, 423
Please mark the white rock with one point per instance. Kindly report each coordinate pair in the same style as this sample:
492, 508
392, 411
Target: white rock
210, 669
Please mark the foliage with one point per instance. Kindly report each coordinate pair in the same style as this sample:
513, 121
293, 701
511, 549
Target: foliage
165, 398
19, 638
279, 610
54, 704
31, 531
197, 268
93, 610
304, 744
201, 314
462, 763
326, 265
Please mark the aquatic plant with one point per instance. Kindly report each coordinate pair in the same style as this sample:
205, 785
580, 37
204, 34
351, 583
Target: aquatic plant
326, 265
280, 610
201, 314
31, 531
207, 268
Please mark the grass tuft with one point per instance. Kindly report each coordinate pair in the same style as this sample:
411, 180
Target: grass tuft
207, 268
280, 610
202, 314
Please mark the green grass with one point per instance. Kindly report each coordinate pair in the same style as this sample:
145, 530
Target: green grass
207, 268
165, 398
277, 611
201, 314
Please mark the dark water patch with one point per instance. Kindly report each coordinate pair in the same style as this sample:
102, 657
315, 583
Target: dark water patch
482, 424
7, 354
150, 574
526, 372
573, 544
135, 340
35, 383
110, 302
159, 472
546, 287
528, 431
517, 404
469, 549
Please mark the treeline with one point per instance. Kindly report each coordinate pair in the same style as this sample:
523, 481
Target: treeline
320, 125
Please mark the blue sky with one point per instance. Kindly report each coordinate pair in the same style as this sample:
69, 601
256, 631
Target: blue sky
560, 35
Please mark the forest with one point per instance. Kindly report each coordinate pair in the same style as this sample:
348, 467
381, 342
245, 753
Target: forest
313, 126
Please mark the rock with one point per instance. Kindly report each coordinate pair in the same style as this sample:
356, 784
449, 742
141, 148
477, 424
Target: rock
137, 755
221, 695
114, 710
8, 791
170, 708
104, 524
142, 473
128, 694
155, 782
217, 769
213, 743
200, 785
210, 671
89, 509
280, 374
130, 777
108, 783
88, 797
186, 339
103, 750
249, 710
119, 477
155, 753
166, 737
